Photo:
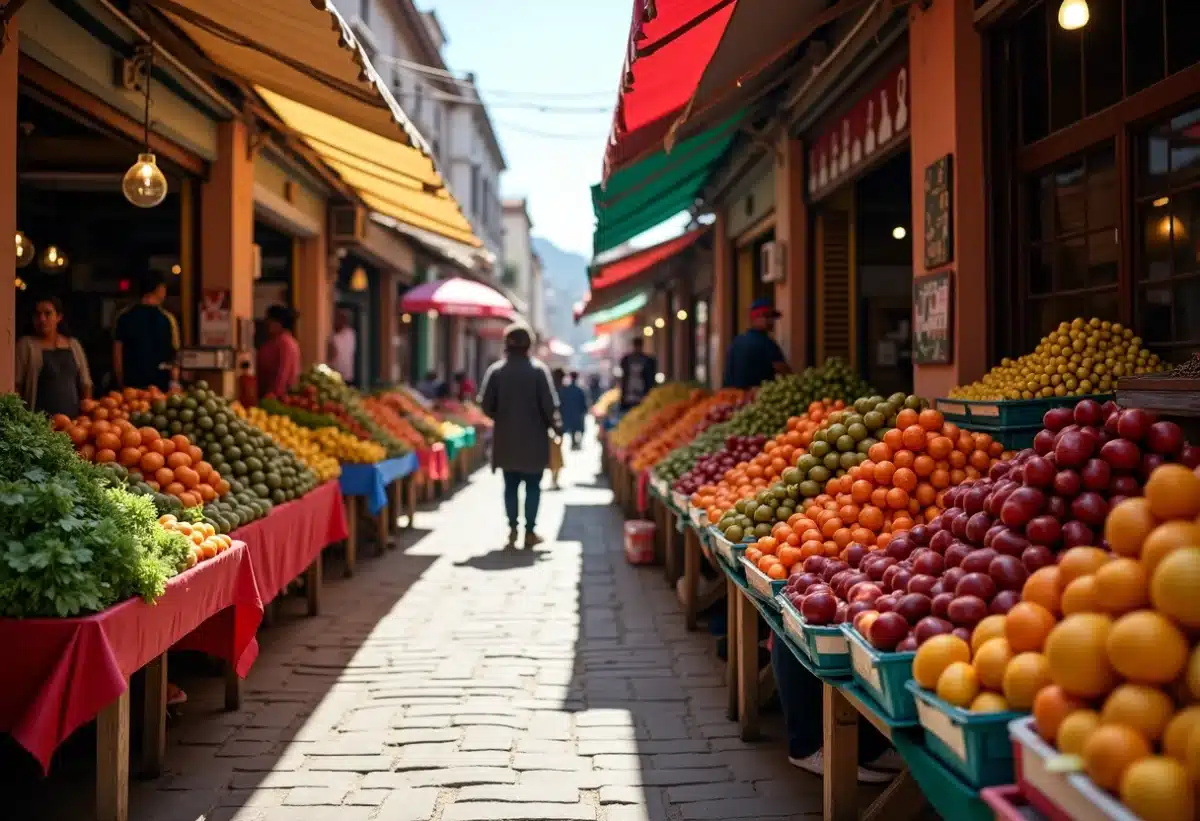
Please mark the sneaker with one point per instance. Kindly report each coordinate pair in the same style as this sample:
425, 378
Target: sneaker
815, 764
532, 539
889, 761
175, 696
512, 537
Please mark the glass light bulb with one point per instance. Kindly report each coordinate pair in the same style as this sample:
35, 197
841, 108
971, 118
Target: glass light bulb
899, 232
53, 260
1073, 14
647, 331
25, 250
681, 315
660, 322
144, 184
406, 318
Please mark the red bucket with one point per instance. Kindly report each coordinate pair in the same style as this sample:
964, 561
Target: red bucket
639, 542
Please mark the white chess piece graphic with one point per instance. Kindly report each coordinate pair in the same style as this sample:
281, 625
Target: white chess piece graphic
885, 119
869, 140
901, 99
833, 158
845, 145
823, 175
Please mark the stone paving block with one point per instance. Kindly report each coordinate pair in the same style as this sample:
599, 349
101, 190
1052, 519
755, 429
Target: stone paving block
409, 760
622, 794
691, 793
520, 793
487, 738
315, 796
488, 811
458, 776
547, 761
425, 735
350, 763
367, 798
408, 805
729, 808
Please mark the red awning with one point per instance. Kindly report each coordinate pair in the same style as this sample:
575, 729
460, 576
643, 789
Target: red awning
456, 297
630, 266
670, 44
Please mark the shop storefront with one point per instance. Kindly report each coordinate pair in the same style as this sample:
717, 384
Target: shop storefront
1095, 173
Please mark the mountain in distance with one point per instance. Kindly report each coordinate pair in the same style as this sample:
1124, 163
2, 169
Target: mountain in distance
564, 277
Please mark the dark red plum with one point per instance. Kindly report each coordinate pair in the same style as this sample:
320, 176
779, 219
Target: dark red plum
1010, 542
979, 585
977, 527
941, 541
1008, 572
855, 553
978, 561
941, 605
1004, 601
967, 611
922, 584
956, 552
1096, 474
1043, 530
920, 535
1090, 508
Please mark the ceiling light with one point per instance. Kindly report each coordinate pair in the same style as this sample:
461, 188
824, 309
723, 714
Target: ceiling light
406, 318
1073, 14
660, 323
1161, 201
647, 331
681, 315
899, 232
25, 250
176, 269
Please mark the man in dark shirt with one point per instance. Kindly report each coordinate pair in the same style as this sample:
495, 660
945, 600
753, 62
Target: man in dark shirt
754, 357
638, 372
146, 339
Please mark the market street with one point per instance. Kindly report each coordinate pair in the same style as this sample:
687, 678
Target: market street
454, 681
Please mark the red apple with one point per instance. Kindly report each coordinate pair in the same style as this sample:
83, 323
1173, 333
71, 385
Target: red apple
922, 583
815, 564
886, 604
914, 607
1008, 572
940, 605
956, 553
1039, 472
958, 525
879, 566
1004, 601
1150, 462
819, 608
978, 561
1122, 454
993, 531
1073, 449
1124, 485
929, 627
863, 621
920, 535
929, 563
1189, 457
973, 500
1036, 556
908, 645
854, 554
967, 611
1056, 419
856, 607
1077, 533
1057, 507
999, 469
1090, 508
1096, 474
900, 547
899, 579
951, 578
832, 567
1011, 542
888, 631
941, 540
864, 592
1088, 412
979, 585
840, 615
1043, 442
977, 527
1021, 506
1134, 424
1043, 530
963, 633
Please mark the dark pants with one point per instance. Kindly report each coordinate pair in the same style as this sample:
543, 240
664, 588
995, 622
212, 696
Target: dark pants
801, 694
533, 496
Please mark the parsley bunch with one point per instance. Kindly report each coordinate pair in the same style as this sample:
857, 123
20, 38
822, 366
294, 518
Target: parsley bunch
70, 543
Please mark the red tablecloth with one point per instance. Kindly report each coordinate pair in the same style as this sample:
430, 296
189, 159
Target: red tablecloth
285, 542
435, 464
60, 673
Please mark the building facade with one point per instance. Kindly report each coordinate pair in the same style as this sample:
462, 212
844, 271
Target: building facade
522, 270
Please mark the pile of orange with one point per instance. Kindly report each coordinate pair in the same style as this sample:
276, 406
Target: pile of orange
1119, 638
206, 542
767, 468
683, 429
120, 404
903, 478
171, 465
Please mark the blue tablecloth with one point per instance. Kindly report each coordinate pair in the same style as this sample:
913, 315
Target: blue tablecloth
372, 480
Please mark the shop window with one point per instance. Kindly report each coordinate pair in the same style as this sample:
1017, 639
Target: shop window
1167, 219
1073, 252
1034, 77
1183, 46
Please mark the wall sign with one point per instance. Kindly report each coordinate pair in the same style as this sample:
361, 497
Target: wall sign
216, 327
933, 320
873, 125
939, 212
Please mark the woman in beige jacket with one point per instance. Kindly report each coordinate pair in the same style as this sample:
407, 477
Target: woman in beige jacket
52, 371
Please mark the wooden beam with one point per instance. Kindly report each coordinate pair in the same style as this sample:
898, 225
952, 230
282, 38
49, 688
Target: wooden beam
112, 761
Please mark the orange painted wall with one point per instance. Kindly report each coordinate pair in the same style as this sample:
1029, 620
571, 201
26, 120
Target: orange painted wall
791, 233
314, 298
8, 205
946, 87
721, 317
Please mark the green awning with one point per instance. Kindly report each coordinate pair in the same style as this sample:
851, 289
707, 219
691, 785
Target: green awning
621, 309
657, 188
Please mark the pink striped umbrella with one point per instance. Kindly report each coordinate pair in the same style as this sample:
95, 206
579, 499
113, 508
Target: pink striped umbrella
457, 297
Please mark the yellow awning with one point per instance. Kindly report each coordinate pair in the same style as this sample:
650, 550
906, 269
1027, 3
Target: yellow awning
392, 178
302, 49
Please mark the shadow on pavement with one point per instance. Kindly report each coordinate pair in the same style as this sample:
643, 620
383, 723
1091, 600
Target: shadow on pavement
505, 558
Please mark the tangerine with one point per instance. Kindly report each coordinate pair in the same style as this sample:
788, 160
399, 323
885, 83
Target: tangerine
1127, 526
129, 457
1174, 586
1044, 587
992, 627
931, 419
1165, 539
991, 660
1075, 730
1179, 730
1082, 596
1192, 676
1024, 676
1146, 647
935, 655
1173, 492
958, 684
1080, 561
1145, 709
1122, 585
1026, 627
1051, 706
151, 462
1078, 657
1109, 752
988, 702
1156, 788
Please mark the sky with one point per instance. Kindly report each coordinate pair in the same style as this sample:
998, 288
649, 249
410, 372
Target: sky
567, 55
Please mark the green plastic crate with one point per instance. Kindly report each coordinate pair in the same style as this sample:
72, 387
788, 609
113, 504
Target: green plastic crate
824, 645
1008, 413
976, 746
764, 588
883, 676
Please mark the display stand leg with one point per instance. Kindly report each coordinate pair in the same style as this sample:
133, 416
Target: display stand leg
747, 629
382, 531
395, 492
233, 689
691, 576
270, 613
902, 800
410, 500
154, 718
840, 721
670, 547
312, 585
731, 646
112, 761
351, 534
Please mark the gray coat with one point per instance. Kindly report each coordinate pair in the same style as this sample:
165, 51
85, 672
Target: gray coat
518, 394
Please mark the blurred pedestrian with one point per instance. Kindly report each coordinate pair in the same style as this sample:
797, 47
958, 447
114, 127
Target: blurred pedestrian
519, 396
574, 409
638, 370
279, 356
465, 387
146, 338
52, 372
343, 343
754, 357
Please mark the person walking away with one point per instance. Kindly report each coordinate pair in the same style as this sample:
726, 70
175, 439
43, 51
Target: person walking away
638, 370
594, 389
52, 371
279, 356
146, 339
343, 343
430, 387
574, 409
754, 357
518, 395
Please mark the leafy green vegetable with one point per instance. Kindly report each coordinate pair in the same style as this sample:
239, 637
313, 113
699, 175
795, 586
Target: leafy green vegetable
70, 541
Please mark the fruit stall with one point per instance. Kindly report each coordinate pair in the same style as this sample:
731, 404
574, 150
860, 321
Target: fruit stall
157, 521
1002, 581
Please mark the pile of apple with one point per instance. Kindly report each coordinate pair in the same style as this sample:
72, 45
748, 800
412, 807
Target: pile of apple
709, 469
972, 560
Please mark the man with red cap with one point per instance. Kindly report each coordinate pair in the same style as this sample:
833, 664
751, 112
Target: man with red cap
754, 357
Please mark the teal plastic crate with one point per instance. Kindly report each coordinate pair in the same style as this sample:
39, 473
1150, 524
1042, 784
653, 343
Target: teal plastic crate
1008, 413
729, 552
976, 746
824, 645
883, 676
1013, 438
761, 585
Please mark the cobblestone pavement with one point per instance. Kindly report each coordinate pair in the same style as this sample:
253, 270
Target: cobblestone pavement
452, 680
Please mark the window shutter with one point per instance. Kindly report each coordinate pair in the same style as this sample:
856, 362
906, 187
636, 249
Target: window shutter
835, 336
